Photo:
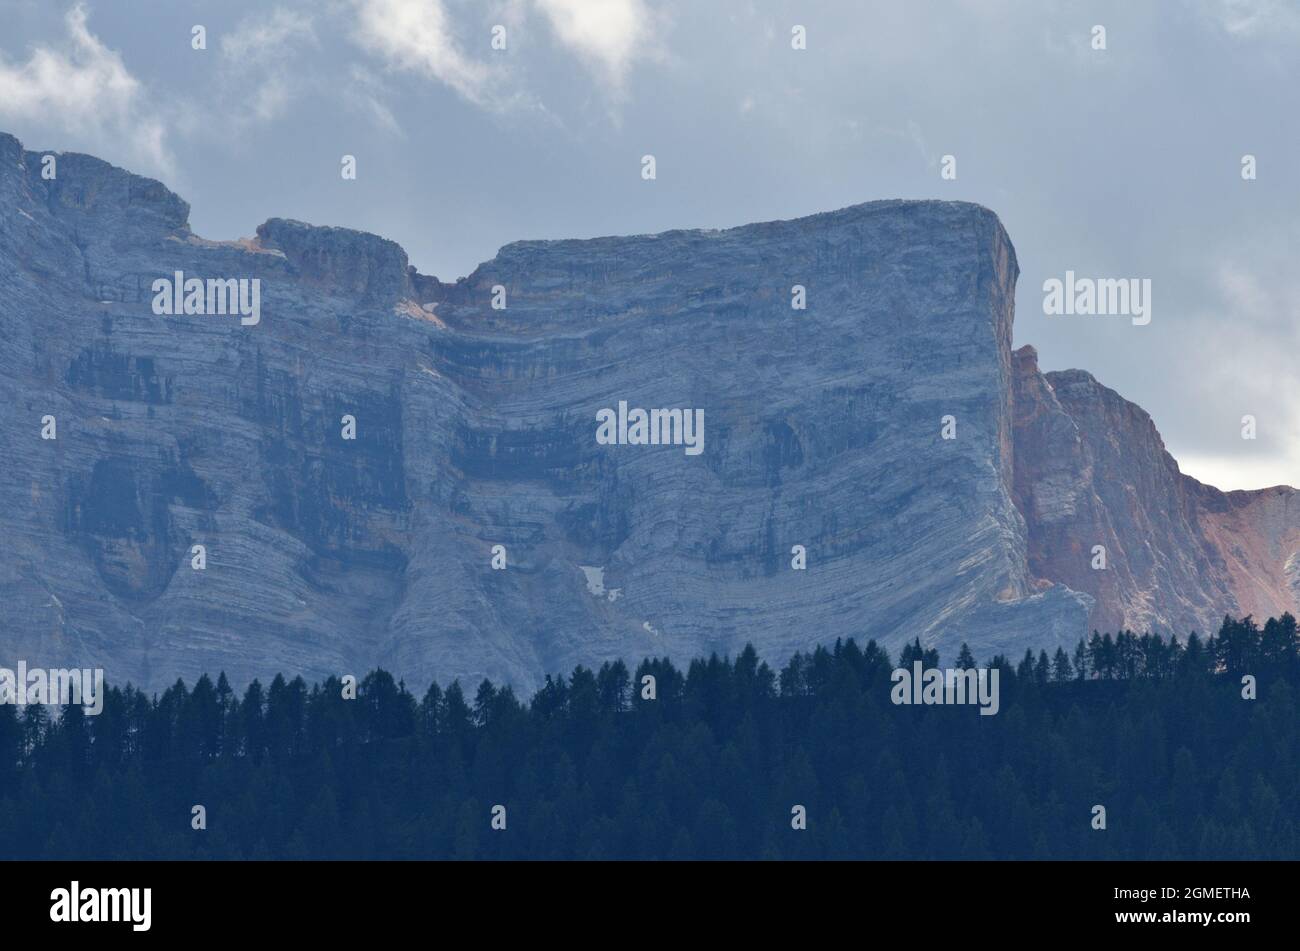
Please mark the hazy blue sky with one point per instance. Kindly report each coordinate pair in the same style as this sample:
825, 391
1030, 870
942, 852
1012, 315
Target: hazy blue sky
1117, 163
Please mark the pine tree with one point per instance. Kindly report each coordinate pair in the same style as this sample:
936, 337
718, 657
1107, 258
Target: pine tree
1061, 669
709, 768
612, 684
1081, 660
484, 700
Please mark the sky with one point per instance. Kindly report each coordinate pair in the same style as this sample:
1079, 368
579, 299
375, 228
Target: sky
1122, 162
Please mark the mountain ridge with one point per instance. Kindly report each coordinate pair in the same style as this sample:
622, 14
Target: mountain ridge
475, 428
1200, 521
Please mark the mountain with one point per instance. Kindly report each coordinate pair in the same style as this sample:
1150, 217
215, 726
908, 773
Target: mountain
1091, 469
477, 427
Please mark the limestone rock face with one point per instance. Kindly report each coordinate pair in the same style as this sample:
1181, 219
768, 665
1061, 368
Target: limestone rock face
476, 427
1091, 469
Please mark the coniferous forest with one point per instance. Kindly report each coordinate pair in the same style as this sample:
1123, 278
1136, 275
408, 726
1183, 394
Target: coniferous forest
1157, 731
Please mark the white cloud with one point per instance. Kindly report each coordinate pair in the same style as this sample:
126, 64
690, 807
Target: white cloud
1241, 472
259, 68
1248, 18
1239, 362
261, 39
85, 88
609, 34
415, 36
366, 94
419, 36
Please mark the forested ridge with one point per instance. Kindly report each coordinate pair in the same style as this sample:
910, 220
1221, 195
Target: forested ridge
1157, 731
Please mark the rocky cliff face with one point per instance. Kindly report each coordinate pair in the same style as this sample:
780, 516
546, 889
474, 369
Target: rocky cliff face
476, 427
1091, 469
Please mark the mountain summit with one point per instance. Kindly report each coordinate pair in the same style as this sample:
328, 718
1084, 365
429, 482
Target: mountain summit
385, 469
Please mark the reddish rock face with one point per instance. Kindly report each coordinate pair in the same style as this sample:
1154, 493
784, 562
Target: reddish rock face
1091, 469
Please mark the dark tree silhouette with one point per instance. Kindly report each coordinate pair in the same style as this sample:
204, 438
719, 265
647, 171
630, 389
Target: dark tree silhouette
707, 763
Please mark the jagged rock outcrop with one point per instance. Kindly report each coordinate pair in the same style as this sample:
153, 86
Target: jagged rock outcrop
1091, 469
476, 427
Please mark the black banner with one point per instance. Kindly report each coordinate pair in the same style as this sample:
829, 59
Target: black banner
334, 900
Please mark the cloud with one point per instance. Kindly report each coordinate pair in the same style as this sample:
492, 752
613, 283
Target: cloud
1231, 472
366, 94
261, 40
1245, 337
259, 66
1249, 18
609, 34
419, 36
83, 87
415, 36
